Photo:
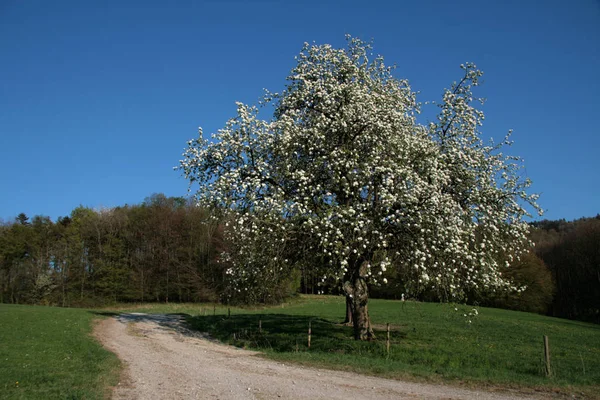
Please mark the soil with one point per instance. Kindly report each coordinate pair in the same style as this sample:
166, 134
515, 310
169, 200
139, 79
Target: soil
165, 360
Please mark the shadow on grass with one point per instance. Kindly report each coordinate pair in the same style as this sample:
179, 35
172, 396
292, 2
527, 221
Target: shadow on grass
286, 333
281, 333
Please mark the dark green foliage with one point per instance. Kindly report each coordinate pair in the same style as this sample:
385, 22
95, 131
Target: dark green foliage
22, 219
161, 250
273, 291
571, 250
530, 272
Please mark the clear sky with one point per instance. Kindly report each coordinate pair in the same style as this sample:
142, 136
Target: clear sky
98, 98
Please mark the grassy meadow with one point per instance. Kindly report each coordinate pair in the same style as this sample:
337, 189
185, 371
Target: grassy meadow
48, 353
428, 341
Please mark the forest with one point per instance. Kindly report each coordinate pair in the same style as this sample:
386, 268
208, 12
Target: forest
166, 249
161, 250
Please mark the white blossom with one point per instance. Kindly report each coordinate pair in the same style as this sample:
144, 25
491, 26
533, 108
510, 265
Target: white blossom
344, 171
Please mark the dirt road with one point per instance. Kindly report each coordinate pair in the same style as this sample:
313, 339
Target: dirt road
164, 360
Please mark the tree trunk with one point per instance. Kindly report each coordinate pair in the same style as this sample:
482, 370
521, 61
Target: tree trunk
349, 312
357, 294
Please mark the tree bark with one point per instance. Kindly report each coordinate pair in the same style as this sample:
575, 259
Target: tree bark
349, 311
357, 294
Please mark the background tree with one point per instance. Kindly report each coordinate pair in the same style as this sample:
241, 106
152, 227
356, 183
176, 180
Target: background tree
162, 250
572, 253
531, 273
345, 171
22, 219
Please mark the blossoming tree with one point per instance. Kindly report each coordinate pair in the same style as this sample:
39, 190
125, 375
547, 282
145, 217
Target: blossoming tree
343, 170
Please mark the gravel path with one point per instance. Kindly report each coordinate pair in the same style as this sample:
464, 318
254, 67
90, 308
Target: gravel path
164, 360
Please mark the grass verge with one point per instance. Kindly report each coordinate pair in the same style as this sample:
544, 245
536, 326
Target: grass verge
48, 353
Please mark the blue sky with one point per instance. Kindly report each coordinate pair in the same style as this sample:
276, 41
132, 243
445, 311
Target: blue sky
98, 99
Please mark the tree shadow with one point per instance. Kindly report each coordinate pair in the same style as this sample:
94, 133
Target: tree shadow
274, 332
285, 333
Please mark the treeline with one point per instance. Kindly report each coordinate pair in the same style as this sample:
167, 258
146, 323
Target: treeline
561, 274
571, 251
162, 250
167, 249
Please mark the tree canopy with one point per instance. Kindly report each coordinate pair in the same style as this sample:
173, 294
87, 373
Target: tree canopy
343, 170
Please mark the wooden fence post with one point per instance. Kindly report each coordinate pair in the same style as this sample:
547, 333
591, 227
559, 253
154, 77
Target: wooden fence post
547, 356
309, 332
387, 344
260, 326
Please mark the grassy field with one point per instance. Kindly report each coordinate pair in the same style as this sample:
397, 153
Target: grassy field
429, 341
47, 353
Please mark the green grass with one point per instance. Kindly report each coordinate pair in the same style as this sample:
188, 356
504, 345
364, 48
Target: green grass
429, 341
48, 353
